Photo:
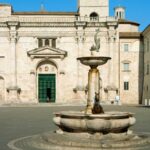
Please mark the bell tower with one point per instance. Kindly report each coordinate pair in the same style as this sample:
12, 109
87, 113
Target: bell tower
97, 7
120, 12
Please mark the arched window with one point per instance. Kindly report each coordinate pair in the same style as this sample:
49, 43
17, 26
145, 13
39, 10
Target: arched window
94, 16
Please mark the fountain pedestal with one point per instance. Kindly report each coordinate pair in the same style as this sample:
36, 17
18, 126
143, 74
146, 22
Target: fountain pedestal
93, 89
93, 82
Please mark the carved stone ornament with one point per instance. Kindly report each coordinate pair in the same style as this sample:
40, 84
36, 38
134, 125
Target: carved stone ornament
46, 68
96, 47
16, 88
80, 36
13, 36
112, 35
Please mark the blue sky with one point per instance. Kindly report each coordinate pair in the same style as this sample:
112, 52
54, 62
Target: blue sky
136, 10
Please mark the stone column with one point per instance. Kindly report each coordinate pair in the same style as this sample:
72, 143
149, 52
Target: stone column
13, 89
93, 88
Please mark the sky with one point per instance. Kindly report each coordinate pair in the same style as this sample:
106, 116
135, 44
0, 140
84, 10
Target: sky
136, 10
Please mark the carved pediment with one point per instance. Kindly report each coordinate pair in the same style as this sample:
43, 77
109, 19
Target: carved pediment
47, 52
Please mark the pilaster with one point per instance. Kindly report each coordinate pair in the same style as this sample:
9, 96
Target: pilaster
80, 39
13, 89
112, 35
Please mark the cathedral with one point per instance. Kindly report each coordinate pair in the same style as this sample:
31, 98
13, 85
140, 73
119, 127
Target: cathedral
39, 51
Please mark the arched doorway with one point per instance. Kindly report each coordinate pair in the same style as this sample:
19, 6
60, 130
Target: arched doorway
46, 81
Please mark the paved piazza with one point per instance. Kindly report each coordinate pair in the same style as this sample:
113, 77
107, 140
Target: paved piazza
22, 121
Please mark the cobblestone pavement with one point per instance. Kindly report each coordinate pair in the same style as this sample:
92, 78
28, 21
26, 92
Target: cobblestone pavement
22, 121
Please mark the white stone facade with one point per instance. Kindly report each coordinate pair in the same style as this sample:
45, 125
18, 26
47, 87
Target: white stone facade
69, 35
146, 86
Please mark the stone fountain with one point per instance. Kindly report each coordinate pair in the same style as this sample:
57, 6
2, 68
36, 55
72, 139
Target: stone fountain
91, 129
93, 120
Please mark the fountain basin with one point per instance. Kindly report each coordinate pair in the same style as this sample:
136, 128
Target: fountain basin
93, 61
110, 122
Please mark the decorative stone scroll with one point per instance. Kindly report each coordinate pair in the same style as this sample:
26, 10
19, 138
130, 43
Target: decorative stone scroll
13, 25
112, 35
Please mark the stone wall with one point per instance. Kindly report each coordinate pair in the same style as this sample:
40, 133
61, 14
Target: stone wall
21, 58
146, 85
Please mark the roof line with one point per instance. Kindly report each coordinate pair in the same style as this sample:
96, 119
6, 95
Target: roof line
146, 28
45, 13
124, 21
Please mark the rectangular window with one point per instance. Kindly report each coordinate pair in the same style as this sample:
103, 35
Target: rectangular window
126, 47
40, 42
144, 47
54, 43
148, 45
47, 42
126, 86
126, 66
147, 69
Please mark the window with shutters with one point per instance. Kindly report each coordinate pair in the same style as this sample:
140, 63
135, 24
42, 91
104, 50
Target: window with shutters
126, 86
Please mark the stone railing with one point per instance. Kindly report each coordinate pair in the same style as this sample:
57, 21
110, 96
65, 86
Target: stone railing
96, 19
56, 19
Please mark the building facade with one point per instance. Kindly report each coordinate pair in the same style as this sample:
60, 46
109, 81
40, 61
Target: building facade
39, 51
146, 86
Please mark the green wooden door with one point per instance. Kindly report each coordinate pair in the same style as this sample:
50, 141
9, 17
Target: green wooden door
46, 87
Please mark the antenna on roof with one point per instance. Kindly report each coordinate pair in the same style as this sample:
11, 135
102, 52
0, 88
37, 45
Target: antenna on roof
119, 3
42, 6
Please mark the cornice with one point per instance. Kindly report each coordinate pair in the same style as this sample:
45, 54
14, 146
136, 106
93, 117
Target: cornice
46, 24
45, 34
12, 23
46, 13
130, 35
96, 24
3, 24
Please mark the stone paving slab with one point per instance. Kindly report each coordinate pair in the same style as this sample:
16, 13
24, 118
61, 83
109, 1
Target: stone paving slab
53, 141
21, 121
41, 104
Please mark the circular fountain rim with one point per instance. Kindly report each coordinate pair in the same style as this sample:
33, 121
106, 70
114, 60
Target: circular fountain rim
106, 115
93, 61
93, 57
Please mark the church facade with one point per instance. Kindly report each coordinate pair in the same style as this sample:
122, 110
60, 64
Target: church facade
39, 51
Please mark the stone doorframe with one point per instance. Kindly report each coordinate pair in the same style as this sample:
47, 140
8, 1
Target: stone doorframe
2, 90
46, 54
46, 67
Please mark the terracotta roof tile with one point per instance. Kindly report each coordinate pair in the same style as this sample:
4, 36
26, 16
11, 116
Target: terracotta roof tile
123, 21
